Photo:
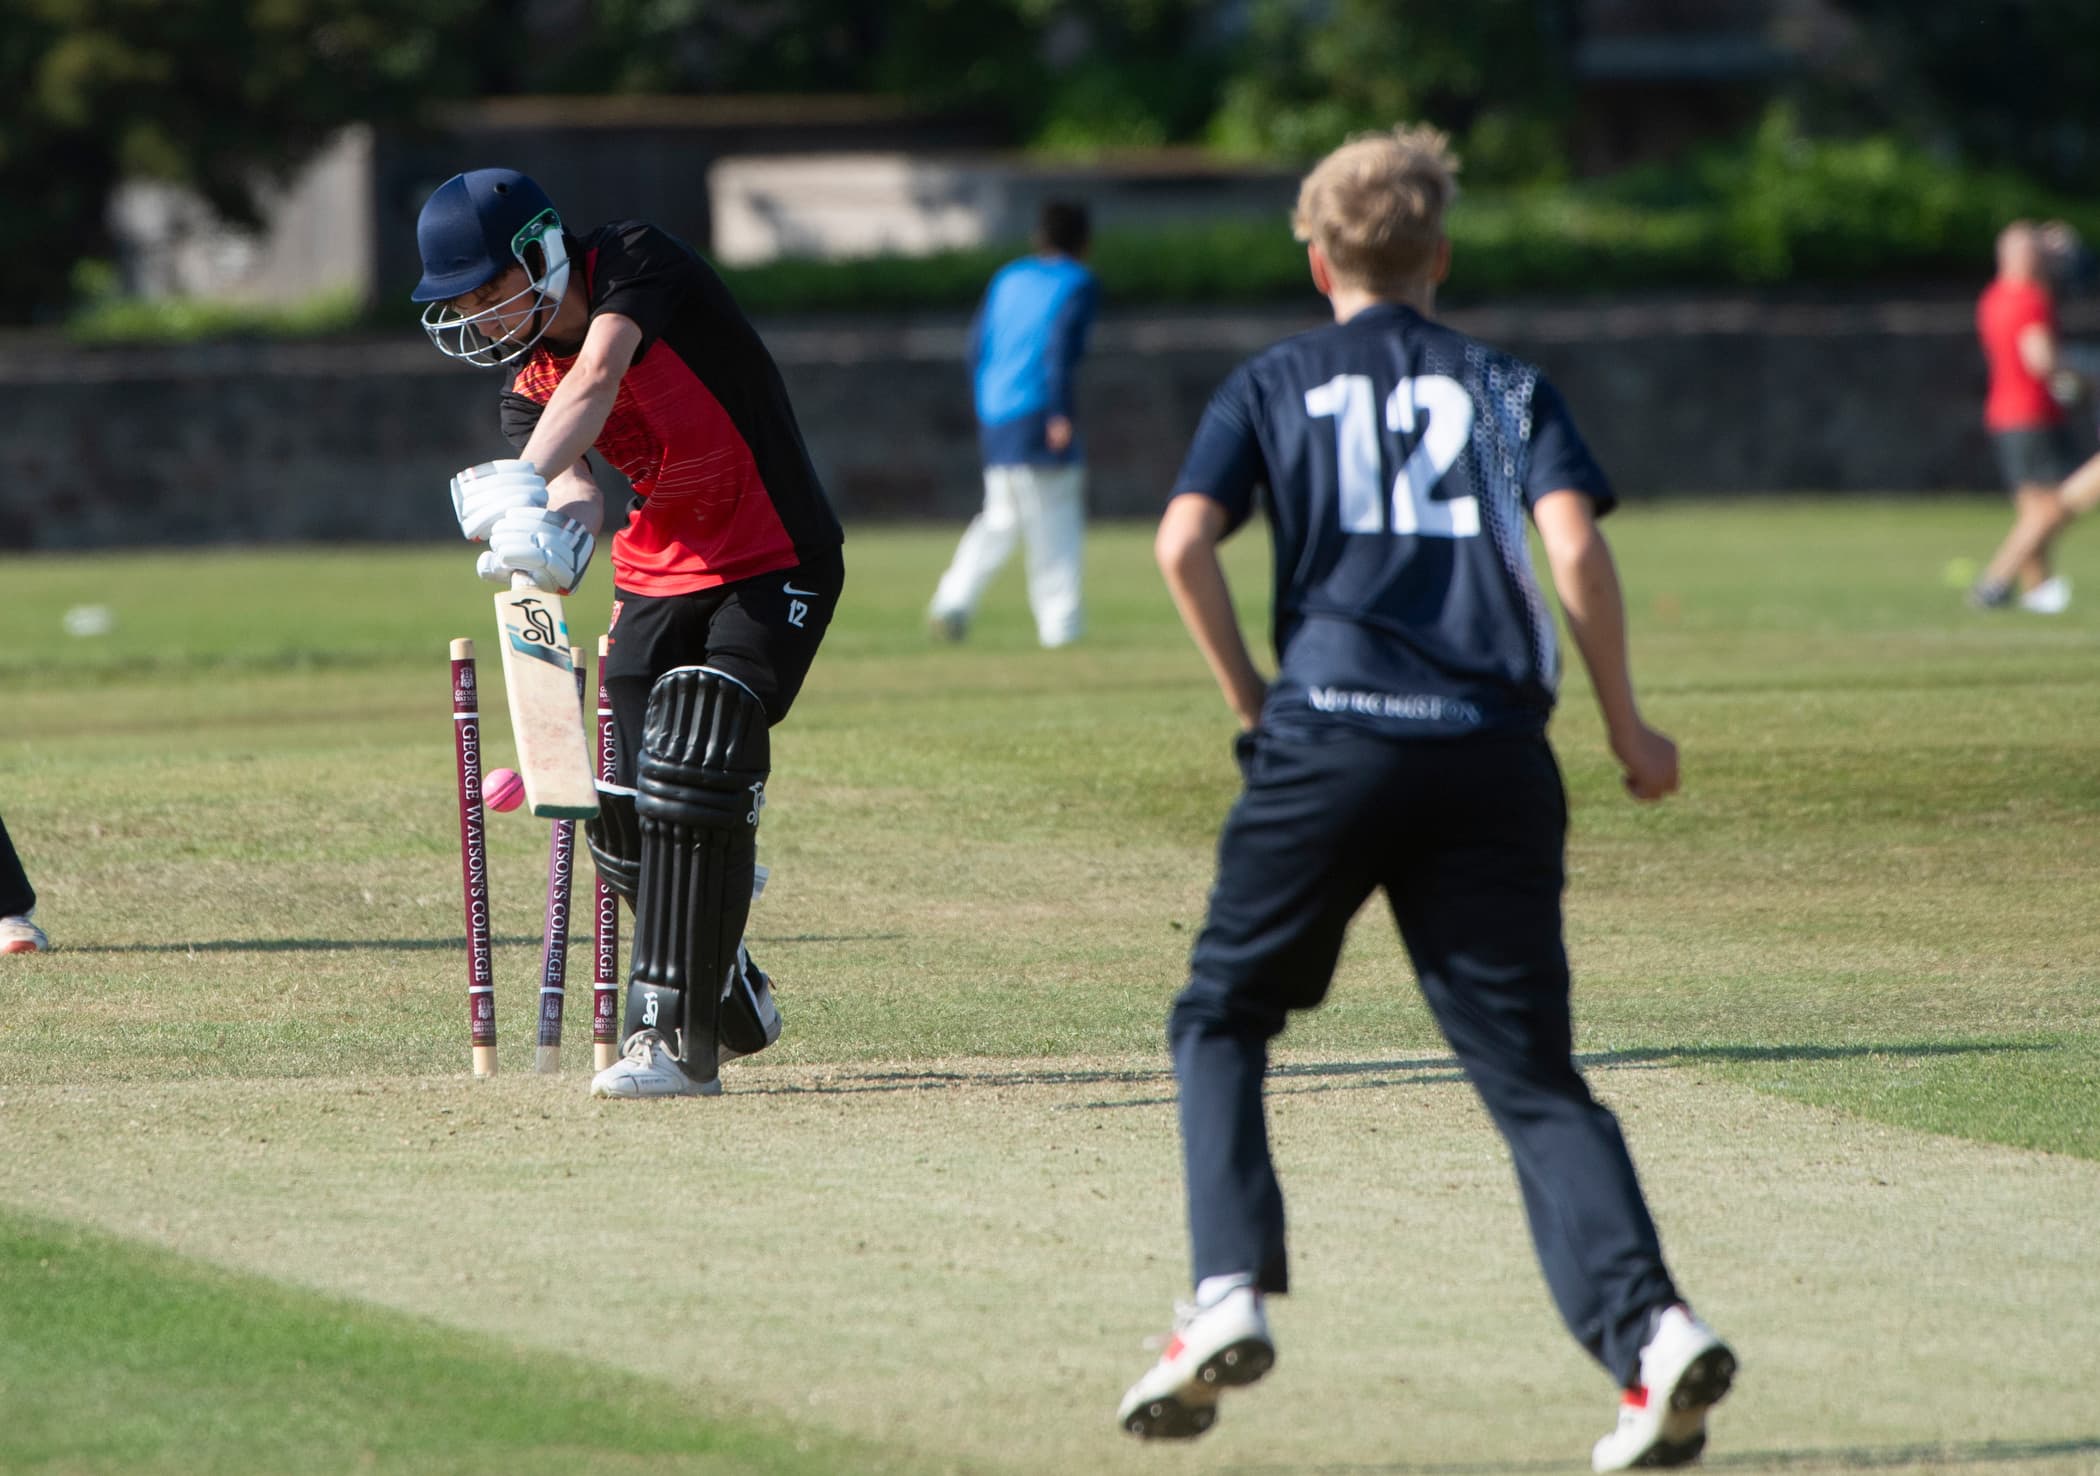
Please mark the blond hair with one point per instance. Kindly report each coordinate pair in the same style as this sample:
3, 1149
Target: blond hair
1375, 206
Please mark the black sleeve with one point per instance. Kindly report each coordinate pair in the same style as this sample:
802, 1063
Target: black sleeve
1224, 461
642, 273
520, 416
1560, 462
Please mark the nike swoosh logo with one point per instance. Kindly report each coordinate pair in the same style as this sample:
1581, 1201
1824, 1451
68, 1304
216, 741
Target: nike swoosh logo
790, 589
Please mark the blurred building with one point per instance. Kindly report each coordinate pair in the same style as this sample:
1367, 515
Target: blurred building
833, 206
346, 221
746, 179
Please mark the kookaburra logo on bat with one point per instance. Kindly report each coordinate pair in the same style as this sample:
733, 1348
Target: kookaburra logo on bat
540, 625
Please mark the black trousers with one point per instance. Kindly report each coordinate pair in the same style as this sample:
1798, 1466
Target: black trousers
763, 631
16, 895
1466, 839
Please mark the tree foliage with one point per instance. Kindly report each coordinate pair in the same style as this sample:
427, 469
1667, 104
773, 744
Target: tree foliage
225, 95
1495, 73
1075, 75
2006, 85
220, 95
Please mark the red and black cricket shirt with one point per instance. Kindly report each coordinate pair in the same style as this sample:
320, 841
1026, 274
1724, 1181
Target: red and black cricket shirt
701, 427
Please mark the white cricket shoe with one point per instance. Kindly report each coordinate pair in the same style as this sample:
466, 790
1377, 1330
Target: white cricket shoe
648, 1069
20, 935
1685, 1371
2051, 597
749, 993
1222, 1346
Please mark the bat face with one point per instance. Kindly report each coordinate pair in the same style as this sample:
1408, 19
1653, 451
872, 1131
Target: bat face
545, 717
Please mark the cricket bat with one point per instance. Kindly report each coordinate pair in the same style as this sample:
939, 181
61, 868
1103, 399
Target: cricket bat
545, 719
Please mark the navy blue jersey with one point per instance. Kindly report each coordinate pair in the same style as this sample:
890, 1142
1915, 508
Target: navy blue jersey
1400, 459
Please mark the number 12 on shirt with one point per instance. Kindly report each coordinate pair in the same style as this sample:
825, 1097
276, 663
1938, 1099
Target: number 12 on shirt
1350, 400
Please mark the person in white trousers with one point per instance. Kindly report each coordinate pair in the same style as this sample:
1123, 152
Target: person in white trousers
1025, 347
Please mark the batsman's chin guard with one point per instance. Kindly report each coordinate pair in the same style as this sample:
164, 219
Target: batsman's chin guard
700, 785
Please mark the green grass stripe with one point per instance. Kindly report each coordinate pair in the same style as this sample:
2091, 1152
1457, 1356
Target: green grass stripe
115, 1357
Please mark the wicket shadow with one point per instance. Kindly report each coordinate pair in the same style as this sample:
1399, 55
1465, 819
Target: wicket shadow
1835, 1458
1304, 1078
774, 940
1332, 1076
419, 945
317, 945
851, 1082
1309, 1078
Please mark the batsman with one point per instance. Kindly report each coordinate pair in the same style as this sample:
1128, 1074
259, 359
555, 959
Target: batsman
726, 570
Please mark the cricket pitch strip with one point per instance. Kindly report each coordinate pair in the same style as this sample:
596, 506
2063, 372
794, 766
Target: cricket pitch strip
960, 1259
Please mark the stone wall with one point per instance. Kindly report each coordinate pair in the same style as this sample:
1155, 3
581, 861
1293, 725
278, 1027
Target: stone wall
261, 442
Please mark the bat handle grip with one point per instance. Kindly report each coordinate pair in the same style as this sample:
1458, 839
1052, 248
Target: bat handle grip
519, 579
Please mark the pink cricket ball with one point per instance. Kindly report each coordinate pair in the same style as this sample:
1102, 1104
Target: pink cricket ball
503, 789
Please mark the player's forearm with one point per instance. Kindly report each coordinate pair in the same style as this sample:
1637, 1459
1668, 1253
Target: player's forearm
575, 414
574, 494
2037, 348
1587, 580
1197, 581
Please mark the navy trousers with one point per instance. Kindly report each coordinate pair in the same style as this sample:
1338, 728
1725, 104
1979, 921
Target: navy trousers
1466, 838
16, 895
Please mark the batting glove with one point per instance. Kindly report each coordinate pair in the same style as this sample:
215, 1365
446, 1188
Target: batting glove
481, 494
553, 549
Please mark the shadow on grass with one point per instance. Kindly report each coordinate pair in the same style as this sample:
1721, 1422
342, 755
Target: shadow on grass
1837, 1458
1375, 1074
1298, 1078
312, 945
1883, 1457
417, 945
1678, 1055
851, 1082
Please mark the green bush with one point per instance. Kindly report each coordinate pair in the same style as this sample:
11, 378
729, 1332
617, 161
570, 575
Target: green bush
1775, 208
1848, 209
950, 279
113, 320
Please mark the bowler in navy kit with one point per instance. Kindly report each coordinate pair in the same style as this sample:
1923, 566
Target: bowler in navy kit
1401, 747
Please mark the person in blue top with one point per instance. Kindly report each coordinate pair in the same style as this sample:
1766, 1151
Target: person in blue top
1025, 347
1401, 747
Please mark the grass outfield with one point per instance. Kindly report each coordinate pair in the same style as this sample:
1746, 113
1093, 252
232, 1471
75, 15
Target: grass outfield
255, 1217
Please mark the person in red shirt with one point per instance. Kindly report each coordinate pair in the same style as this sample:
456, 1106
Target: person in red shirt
2016, 321
726, 569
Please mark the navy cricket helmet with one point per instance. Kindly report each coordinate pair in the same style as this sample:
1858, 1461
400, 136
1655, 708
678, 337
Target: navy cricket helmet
473, 227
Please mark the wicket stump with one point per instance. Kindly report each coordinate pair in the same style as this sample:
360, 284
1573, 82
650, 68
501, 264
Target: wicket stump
605, 917
473, 860
561, 872
554, 953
